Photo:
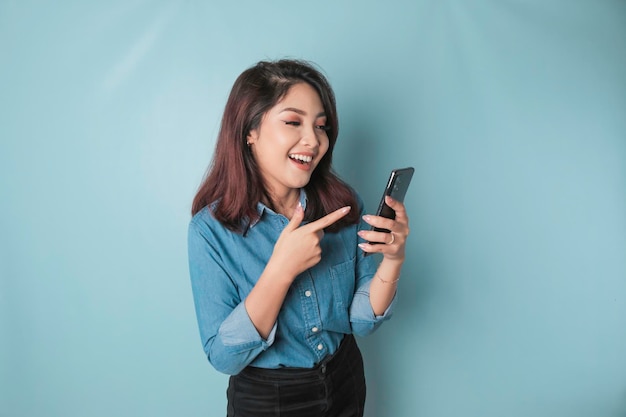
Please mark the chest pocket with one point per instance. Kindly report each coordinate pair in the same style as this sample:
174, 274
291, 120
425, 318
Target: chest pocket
342, 280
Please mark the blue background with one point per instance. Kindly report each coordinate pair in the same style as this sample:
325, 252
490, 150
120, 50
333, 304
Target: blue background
513, 297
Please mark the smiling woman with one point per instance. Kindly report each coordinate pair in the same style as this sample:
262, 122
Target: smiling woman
233, 183
278, 301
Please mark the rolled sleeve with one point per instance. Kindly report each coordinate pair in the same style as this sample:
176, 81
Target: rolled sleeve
237, 331
237, 342
362, 316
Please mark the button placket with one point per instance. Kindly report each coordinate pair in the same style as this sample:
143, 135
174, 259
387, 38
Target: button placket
311, 316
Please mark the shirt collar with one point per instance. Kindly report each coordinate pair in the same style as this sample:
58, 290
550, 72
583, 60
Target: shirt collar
261, 208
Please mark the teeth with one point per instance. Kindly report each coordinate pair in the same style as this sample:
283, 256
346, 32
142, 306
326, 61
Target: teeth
303, 158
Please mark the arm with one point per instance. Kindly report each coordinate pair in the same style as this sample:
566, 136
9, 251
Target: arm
373, 299
383, 286
229, 337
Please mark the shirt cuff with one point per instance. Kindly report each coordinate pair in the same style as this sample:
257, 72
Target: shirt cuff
237, 332
361, 309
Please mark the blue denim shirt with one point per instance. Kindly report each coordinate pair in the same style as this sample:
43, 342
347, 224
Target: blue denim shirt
323, 304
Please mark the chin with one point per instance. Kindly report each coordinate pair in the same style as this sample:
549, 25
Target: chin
301, 183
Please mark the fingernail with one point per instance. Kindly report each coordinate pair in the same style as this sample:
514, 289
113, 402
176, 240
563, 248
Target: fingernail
366, 218
360, 233
389, 199
362, 246
346, 209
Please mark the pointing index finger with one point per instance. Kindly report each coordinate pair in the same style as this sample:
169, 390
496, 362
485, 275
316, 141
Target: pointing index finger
327, 220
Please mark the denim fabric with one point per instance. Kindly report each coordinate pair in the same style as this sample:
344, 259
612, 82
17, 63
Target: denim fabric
323, 303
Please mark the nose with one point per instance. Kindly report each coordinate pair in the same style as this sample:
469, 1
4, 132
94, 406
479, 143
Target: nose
310, 139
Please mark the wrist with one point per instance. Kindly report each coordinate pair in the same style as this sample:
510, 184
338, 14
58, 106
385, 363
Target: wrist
278, 273
387, 281
395, 262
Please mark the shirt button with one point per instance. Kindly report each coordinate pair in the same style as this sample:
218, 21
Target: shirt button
314, 329
307, 293
320, 346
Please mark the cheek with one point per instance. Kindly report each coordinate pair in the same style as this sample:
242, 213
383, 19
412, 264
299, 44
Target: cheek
324, 147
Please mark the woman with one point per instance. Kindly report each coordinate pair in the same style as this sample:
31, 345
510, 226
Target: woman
279, 278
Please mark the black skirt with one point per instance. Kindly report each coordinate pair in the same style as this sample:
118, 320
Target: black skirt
333, 388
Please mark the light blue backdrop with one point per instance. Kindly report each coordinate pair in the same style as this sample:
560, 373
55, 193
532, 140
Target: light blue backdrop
513, 298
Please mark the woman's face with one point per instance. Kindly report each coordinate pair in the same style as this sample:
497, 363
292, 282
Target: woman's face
290, 141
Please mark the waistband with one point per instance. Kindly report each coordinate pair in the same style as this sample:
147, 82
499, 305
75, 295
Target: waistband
347, 349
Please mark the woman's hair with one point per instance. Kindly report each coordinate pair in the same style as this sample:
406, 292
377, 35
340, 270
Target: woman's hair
233, 183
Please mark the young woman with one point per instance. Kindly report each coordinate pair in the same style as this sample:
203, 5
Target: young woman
276, 252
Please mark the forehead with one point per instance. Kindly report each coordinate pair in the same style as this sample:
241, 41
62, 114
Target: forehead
301, 96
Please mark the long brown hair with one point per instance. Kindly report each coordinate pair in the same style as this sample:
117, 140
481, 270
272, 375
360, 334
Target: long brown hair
233, 183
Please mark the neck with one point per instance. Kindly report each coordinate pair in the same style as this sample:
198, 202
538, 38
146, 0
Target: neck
286, 203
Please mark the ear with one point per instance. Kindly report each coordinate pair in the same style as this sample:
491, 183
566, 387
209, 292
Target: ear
252, 137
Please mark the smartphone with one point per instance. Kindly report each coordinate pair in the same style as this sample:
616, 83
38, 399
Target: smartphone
398, 184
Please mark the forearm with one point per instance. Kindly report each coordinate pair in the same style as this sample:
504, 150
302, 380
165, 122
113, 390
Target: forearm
266, 298
384, 285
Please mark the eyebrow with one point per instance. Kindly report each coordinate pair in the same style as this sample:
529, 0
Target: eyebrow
301, 112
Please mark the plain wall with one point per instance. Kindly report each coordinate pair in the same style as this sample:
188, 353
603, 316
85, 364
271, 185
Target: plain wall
513, 113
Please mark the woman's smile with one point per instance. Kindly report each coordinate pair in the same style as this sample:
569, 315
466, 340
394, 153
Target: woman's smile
302, 160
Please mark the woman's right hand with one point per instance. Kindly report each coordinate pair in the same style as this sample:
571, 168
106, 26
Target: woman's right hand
298, 247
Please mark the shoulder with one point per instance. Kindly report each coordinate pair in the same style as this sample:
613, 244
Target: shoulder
206, 234
358, 199
204, 216
205, 223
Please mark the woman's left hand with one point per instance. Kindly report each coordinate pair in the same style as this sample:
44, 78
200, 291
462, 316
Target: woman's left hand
392, 243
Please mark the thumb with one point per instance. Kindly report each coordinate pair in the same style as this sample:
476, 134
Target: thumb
296, 218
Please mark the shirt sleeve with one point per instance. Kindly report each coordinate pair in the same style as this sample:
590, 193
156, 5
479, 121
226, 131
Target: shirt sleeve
362, 317
228, 335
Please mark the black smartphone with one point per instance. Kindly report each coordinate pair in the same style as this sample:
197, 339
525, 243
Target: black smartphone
398, 184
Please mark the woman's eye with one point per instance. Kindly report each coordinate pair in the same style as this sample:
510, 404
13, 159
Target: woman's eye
323, 127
